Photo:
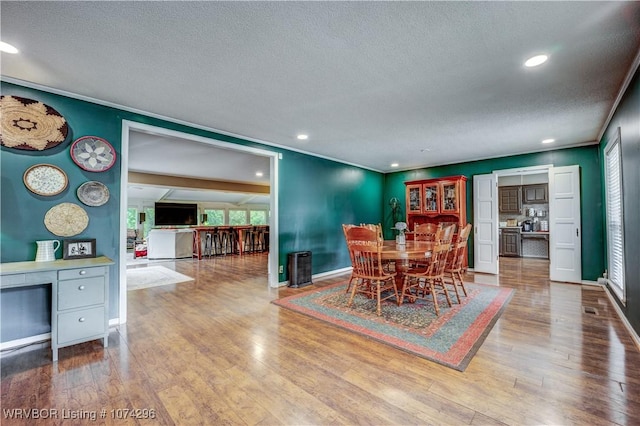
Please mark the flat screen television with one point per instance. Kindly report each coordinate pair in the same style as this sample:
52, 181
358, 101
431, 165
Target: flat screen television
176, 214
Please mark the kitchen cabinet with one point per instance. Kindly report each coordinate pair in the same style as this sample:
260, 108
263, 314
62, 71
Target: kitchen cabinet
440, 200
510, 243
535, 194
509, 199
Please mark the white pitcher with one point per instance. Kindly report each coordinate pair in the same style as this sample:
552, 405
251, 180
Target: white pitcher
46, 250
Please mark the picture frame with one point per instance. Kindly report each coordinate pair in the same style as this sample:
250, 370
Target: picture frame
79, 248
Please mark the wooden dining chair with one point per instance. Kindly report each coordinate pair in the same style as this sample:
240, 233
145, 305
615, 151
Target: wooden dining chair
446, 234
426, 231
371, 279
422, 283
345, 228
456, 261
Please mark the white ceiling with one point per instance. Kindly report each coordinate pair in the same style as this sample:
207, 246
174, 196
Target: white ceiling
164, 155
371, 83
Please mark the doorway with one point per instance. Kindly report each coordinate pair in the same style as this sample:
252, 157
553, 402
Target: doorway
129, 127
560, 214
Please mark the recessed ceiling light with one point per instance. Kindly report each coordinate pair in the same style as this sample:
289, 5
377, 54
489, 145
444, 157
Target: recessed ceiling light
6, 47
394, 164
303, 137
548, 141
259, 174
536, 60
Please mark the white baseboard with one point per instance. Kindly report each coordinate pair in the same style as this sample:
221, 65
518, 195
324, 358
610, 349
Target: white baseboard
25, 344
322, 275
332, 273
623, 318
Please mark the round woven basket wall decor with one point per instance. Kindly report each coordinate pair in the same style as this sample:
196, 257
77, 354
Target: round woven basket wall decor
93, 193
45, 179
66, 220
93, 154
30, 125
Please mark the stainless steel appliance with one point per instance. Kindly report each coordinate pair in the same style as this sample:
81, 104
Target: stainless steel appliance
527, 226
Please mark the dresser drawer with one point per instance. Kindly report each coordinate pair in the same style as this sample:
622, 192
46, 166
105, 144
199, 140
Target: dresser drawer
81, 324
69, 274
79, 293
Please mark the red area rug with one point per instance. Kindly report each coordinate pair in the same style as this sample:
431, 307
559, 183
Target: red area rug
451, 339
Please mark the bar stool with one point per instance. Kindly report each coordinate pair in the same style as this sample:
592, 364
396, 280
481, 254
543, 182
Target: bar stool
216, 242
249, 240
228, 241
208, 244
258, 239
235, 241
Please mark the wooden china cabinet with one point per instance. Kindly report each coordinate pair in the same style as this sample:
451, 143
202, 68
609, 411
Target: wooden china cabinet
442, 200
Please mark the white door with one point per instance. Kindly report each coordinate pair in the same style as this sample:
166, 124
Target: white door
485, 223
565, 249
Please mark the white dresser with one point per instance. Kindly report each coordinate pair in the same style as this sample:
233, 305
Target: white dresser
79, 296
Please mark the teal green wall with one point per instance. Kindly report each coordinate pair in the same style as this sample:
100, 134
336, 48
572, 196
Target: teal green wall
315, 195
588, 158
320, 196
627, 118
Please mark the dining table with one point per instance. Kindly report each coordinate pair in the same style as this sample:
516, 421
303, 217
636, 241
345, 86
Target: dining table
402, 254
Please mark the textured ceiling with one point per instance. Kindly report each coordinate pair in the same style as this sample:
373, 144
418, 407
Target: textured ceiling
418, 83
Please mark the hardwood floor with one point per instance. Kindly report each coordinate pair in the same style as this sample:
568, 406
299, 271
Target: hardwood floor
215, 351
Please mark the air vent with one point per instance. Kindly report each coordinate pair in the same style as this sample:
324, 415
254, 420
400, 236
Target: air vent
590, 310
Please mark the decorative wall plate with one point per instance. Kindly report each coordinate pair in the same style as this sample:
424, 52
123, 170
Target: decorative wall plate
93, 193
45, 179
66, 220
93, 154
30, 125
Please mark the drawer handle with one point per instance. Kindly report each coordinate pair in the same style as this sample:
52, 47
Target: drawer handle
81, 288
83, 272
81, 319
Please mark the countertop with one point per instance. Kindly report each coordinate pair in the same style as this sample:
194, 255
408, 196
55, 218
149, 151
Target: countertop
525, 232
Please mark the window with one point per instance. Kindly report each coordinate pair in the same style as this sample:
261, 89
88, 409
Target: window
132, 218
615, 224
237, 217
149, 221
214, 217
258, 217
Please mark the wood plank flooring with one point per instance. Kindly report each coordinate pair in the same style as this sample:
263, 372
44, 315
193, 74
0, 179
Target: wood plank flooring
214, 351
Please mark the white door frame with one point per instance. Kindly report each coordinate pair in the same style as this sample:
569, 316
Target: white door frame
547, 168
485, 223
565, 231
127, 127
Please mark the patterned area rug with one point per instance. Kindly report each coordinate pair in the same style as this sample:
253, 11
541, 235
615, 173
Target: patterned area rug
153, 276
451, 339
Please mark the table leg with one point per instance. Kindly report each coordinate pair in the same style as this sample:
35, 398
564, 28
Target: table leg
402, 266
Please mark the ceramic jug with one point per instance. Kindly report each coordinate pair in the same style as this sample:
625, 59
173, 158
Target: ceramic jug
47, 250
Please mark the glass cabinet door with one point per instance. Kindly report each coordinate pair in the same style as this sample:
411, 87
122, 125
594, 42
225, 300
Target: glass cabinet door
431, 198
450, 200
414, 199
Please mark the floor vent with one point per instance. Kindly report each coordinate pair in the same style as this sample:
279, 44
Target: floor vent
589, 310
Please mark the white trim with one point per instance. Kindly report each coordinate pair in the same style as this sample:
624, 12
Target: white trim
273, 144
129, 126
26, 341
623, 318
173, 120
529, 170
326, 274
621, 293
623, 88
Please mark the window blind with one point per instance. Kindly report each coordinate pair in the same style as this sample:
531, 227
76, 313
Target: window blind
615, 225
